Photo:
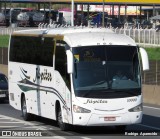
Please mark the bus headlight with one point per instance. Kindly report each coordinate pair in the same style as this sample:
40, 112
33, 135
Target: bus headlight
137, 108
78, 109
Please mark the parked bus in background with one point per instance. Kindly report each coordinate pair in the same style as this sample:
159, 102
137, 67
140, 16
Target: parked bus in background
50, 15
2, 19
23, 19
30, 18
69, 75
38, 18
65, 16
11, 15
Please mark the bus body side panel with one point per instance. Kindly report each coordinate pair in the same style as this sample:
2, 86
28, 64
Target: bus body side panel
65, 100
42, 87
36, 82
14, 90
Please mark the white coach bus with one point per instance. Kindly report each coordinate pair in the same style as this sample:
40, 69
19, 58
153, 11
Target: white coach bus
75, 76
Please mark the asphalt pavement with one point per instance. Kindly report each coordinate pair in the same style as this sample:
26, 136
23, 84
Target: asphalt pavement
11, 122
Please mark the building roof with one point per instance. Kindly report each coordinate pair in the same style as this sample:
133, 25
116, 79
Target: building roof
93, 1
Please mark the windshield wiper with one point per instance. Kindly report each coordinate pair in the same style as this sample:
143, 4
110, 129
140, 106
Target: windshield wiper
130, 92
100, 82
109, 92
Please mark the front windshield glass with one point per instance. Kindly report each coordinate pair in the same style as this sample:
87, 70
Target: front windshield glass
102, 71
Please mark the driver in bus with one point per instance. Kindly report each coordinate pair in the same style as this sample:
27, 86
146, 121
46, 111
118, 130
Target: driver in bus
119, 76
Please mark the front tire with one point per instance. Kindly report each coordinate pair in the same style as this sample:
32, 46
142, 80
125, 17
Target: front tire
26, 116
63, 126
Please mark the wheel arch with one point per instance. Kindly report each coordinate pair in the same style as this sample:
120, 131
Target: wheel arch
22, 96
57, 106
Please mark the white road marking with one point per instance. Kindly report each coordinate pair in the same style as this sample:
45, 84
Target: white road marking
10, 122
58, 137
21, 121
155, 128
14, 120
27, 125
7, 126
2, 118
151, 107
27, 137
85, 138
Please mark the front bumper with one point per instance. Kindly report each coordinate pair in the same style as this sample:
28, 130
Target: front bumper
100, 119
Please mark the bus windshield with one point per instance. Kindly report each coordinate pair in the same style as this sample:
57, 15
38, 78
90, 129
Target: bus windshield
106, 71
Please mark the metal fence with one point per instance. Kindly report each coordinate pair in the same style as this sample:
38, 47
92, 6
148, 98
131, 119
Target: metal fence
143, 37
153, 75
9, 30
3, 55
148, 77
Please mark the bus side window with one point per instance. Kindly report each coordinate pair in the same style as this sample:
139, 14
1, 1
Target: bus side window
30, 50
61, 64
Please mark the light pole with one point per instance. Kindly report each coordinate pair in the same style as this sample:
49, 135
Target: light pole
103, 14
10, 14
72, 13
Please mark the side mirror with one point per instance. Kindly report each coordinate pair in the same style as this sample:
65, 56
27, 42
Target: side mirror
145, 61
69, 61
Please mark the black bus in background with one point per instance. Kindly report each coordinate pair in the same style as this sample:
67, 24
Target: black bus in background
11, 15
52, 16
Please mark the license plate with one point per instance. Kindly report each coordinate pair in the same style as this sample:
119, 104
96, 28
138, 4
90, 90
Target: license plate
109, 118
2, 95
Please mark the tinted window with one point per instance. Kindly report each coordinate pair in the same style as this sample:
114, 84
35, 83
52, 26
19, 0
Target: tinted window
106, 71
120, 53
32, 50
61, 64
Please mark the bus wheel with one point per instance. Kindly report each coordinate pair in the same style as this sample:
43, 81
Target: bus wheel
26, 116
63, 126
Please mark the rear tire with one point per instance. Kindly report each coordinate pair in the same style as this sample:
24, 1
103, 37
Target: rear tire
63, 126
26, 116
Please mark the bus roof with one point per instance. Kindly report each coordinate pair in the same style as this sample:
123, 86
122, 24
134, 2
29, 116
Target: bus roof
75, 37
